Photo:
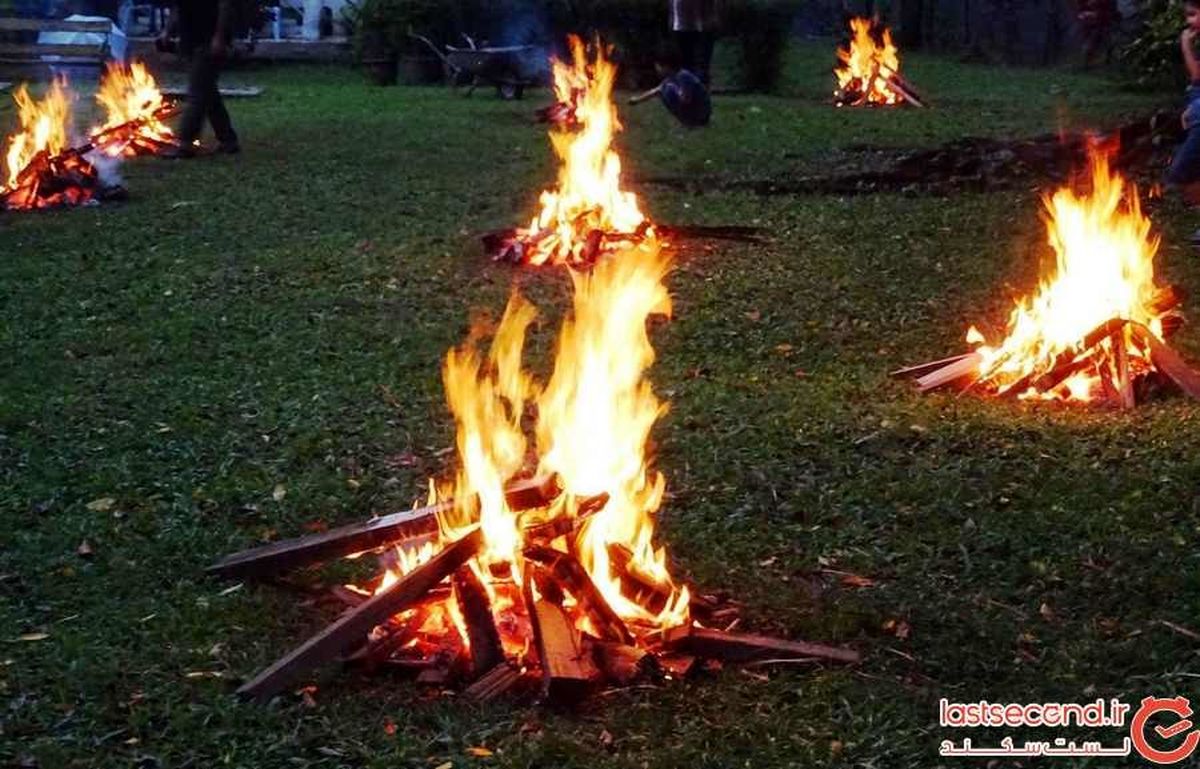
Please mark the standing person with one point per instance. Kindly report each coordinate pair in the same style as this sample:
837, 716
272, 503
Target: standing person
694, 22
204, 28
1184, 173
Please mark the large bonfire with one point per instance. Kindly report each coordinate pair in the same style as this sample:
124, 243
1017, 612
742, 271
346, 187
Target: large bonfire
593, 419
1094, 328
40, 169
588, 214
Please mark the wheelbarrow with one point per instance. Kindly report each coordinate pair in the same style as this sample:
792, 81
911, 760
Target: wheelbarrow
508, 68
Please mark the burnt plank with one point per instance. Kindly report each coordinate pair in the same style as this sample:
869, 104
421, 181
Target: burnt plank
482, 635
568, 672
352, 626
567, 570
354, 538
962, 367
1169, 362
496, 683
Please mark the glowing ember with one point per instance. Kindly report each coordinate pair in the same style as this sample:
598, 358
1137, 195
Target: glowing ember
40, 170
135, 109
588, 214
865, 70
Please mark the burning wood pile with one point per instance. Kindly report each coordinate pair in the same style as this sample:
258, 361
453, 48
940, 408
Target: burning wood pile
1094, 331
868, 71
42, 168
135, 110
536, 568
588, 216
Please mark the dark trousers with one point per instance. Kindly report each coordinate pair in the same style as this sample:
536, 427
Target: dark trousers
204, 101
1185, 165
696, 51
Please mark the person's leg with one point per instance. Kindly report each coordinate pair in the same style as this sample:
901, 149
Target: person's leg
686, 39
218, 116
197, 107
1184, 170
704, 55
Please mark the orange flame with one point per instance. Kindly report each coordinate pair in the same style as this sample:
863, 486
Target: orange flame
133, 105
589, 198
1103, 270
44, 125
863, 69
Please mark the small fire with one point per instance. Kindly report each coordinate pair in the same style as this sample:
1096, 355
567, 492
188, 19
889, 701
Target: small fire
1103, 271
40, 171
588, 214
865, 70
135, 109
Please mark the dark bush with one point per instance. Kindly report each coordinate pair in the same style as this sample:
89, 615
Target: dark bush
762, 28
1153, 54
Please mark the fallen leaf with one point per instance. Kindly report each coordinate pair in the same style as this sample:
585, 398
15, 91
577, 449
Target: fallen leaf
783, 348
445, 765
753, 315
606, 738
389, 727
101, 505
479, 752
316, 526
279, 492
768, 561
1047, 612
33, 636
857, 580
84, 550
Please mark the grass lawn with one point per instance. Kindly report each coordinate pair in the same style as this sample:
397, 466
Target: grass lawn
275, 322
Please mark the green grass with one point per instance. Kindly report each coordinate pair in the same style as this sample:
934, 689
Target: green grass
279, 319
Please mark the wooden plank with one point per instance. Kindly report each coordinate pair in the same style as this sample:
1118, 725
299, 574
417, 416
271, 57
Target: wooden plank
621, 663
568, 673
745, 647
361, 537
350, 629
1169, 363
71, 50
571, 575
924, 368
482, 636
494, 684
15, 24
964, 366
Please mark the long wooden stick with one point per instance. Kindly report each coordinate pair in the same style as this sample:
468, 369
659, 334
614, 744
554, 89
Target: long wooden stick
353, 625
354, 538
1169, 362
744, 647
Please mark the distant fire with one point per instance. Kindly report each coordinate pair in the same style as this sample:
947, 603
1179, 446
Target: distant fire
866, 71
1094, 328
41, 171
135, 111
588, 214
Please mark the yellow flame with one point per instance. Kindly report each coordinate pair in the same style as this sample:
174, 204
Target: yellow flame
864, 68
1103, 270
487, 403
595, 415
43, 127
589, 195
130, 93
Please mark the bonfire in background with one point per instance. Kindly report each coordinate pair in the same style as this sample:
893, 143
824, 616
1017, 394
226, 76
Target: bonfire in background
588, 215
868, 71
1094, 329
135, 111
40, 169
